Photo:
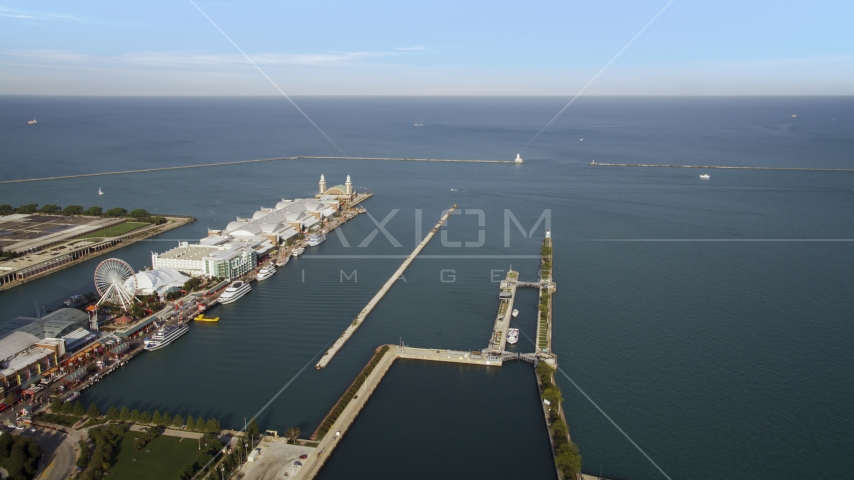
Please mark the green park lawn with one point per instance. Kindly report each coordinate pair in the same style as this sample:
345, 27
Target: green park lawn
116, 230
166, 458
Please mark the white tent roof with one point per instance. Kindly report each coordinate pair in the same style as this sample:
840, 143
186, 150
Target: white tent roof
159, 281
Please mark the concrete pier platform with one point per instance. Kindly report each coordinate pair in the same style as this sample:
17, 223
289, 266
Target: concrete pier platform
357, 322
507, 295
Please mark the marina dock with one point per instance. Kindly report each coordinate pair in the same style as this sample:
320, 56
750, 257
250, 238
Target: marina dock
335, 427
360, 318
506, 297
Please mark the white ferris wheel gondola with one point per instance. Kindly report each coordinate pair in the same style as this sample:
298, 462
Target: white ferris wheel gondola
116, 282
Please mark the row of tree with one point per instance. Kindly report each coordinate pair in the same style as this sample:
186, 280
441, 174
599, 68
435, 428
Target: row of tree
135, 416
567, 457
51, 209
336, 411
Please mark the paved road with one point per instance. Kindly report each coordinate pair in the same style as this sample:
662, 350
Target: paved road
58, 453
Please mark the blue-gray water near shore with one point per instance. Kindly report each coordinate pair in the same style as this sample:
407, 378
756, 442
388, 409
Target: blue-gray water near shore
721, 359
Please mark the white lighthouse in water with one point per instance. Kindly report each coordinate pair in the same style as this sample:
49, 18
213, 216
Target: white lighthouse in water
518, 159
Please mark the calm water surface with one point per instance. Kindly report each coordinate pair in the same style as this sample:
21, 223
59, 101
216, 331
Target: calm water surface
719, 358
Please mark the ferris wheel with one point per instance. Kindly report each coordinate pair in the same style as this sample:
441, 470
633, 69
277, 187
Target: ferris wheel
115, 282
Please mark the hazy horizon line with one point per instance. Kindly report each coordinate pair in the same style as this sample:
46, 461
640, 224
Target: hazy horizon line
730, 95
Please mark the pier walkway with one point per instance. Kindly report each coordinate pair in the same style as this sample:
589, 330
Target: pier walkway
348, 332
506, 296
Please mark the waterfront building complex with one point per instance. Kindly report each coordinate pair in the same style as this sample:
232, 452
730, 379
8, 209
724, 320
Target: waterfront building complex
235, 249
29, 346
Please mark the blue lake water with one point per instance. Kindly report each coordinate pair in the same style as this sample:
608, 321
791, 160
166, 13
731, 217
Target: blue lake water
719, 357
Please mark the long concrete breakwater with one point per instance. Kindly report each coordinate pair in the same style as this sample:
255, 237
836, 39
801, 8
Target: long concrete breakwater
348, 332
721, 167
239, 162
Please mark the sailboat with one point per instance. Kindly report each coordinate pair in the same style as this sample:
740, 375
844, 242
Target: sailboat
100, 192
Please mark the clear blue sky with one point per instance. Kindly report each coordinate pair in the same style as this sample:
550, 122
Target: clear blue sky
427, 48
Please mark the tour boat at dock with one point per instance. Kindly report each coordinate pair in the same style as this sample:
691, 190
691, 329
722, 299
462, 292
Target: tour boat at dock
297, 252
73, 301
316, 240
266, 272
512, 335
234, 291
202, 318
515, 313
282, 263
167, 335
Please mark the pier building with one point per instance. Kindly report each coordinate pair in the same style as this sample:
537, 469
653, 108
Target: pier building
159, 281
234, 250
342, 193
228, 260
31, 346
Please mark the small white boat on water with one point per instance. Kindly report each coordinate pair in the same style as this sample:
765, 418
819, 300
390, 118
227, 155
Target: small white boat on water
32, 122
512, 335
297, 252
100, 192
705, 177
266, 272
515, 313
282, 263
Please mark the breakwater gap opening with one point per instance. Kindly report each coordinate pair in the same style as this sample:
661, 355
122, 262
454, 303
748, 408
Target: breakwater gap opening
344, 412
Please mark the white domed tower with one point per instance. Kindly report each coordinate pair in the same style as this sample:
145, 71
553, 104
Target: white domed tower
349, 186
519, 159
322, 184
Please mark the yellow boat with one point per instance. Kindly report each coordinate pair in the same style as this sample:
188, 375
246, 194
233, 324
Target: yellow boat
202, 318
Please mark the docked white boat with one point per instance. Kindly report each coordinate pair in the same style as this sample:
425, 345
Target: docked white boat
167, 335
512, 335
316, 240
282, 263
297, 252
705, 176
266, 272
73, 301
515, 313
234, 291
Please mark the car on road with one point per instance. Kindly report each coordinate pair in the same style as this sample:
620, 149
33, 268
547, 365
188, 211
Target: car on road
3, 407
19, 427
33, 429
303, 456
